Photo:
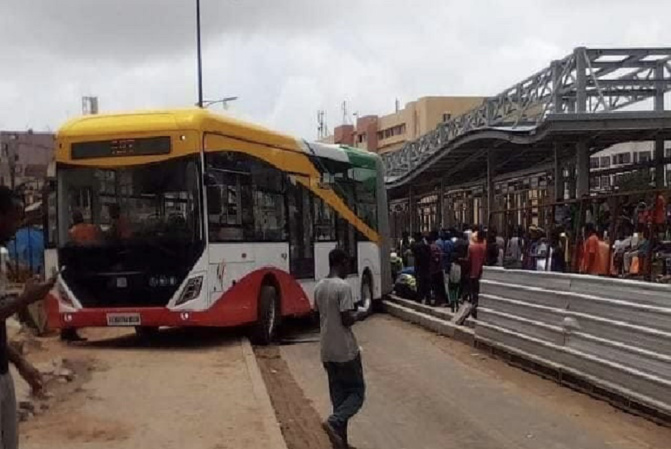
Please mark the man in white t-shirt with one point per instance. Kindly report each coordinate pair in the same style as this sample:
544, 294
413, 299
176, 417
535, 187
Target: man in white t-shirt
339, 349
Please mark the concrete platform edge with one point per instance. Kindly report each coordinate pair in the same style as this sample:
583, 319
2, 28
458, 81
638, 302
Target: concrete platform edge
262, 396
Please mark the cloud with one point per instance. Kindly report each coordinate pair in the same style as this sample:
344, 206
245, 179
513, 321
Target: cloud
286, 59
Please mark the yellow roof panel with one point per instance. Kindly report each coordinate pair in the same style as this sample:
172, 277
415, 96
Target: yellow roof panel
147, 122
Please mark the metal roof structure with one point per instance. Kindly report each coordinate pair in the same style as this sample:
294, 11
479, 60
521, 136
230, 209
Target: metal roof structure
585, 97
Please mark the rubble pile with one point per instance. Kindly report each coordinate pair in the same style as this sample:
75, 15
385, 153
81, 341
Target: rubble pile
56, 370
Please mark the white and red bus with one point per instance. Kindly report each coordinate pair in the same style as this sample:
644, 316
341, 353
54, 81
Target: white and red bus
195, 219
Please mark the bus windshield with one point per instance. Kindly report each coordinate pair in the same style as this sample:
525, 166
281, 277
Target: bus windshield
104, 206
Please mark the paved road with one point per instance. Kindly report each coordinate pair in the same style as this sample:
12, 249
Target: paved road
183, 391
426, 392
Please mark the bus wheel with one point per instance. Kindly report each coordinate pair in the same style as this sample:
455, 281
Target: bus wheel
265, 329
146, 332
366, 302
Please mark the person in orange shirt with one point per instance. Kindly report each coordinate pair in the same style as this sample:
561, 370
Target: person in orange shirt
659, 211
591, 252
603, 257
83, 233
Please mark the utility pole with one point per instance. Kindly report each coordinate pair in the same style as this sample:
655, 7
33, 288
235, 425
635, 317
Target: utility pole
322, 128
200, 57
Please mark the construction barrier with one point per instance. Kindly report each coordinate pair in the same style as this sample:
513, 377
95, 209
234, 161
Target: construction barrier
612, 335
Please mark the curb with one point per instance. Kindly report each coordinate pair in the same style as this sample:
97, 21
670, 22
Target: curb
262, 396
437, 325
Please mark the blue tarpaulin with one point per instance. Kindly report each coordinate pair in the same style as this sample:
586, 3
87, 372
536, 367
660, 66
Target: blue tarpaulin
28, 248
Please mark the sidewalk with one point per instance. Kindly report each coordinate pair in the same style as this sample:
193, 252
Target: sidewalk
175, 394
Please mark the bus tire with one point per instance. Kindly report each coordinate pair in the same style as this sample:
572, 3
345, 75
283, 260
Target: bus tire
146, 333
265, 328
366, 301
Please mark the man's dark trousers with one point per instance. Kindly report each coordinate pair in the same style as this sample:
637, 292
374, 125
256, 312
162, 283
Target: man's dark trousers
347, 390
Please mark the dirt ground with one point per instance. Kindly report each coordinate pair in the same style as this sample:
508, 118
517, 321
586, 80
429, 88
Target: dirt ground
300, 423
184, 390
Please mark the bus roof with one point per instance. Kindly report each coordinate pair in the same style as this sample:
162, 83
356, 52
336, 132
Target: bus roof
104, 126
193, 119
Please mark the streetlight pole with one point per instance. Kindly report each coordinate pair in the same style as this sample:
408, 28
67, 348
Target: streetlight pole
200, 57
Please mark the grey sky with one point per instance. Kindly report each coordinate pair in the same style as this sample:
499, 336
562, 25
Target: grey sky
286, 59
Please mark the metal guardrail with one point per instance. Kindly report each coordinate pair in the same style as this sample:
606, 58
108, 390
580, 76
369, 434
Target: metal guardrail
615, 334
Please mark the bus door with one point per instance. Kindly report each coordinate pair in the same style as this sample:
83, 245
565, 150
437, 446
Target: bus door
301, 239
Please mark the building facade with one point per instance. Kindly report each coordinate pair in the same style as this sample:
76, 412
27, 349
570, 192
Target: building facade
24, 159
382, 134
609, 167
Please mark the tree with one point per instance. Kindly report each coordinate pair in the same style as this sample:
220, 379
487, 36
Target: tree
634, 181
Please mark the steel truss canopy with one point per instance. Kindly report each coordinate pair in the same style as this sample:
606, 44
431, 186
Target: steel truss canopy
588, 83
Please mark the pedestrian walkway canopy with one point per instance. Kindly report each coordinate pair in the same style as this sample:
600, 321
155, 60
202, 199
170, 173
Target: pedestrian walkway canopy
596, 97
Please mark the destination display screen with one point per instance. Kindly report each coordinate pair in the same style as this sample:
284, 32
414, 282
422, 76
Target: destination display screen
147, 146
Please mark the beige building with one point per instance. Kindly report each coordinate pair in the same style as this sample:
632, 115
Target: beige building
382, 134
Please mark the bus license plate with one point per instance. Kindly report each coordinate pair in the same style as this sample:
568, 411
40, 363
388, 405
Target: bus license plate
123, 319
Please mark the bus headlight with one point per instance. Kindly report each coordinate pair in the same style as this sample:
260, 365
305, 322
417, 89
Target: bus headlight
191, 291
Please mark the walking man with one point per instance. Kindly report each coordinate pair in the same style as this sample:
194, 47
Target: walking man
11, 215
339, 348
422, 253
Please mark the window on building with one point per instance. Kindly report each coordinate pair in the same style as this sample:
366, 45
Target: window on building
605, 182
643, 156
447, 117
622, 158
595, 182
594, 162
605, 162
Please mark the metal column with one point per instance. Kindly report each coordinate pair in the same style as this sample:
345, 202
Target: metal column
558, 174
580, 80
489, 189
441, 209
582, 170
412, 211
659, 142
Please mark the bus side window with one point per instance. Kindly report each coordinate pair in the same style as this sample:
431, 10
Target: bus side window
213, 200
324, 216
347, 240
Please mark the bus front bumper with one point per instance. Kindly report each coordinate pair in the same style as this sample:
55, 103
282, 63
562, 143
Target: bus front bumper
150, 317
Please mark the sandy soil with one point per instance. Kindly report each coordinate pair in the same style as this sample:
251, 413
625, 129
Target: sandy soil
185, 390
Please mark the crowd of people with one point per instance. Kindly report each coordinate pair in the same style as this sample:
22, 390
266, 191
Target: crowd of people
443, 268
